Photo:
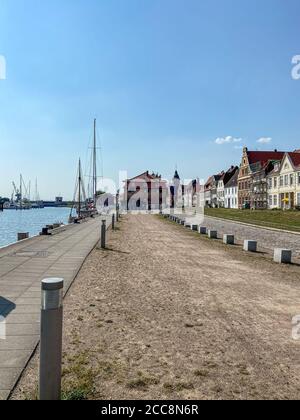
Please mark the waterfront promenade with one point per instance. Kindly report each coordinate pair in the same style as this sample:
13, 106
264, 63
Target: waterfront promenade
166, 313
22, 267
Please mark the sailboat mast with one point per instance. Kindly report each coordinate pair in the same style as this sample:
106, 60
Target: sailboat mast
79, 189
21, 193
95, 163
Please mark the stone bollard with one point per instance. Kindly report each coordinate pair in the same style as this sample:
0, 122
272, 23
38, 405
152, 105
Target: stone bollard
203, 230
194, 228
228, 239
283, 256
182, 222
213, 234
22, 236
250, 246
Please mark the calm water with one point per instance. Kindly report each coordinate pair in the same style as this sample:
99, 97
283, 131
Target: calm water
32, 221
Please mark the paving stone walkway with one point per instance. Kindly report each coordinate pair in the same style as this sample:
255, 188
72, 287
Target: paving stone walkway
22, 267
267, 239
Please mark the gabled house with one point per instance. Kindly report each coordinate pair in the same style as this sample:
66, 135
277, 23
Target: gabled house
254, 162
146, 192
224, 179
207, 192
284, 182
231, 191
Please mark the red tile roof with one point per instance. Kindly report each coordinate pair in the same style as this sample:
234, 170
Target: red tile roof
295, 158
264, 157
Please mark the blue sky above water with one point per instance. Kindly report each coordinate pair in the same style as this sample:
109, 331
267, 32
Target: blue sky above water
165, 79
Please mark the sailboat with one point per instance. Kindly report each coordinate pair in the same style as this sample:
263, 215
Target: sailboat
38, 203
86, 206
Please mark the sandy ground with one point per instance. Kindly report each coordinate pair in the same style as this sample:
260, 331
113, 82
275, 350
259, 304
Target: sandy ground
165, 314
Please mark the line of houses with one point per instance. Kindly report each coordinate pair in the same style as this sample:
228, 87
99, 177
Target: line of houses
264, 180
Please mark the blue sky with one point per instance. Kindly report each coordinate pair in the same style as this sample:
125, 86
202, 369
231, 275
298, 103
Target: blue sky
165, 79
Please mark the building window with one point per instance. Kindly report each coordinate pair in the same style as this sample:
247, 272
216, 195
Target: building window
275, 200
292, 179
270, 200
275, 182
281, 181
286, 180
298, 177
270, 183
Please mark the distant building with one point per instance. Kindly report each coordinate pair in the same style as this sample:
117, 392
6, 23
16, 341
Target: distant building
176, 192
146, 192
224, 179
207, 192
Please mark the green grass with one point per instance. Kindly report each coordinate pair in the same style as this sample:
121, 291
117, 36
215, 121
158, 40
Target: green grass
279, 219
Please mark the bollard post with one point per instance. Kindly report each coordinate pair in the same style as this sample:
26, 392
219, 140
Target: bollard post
103, 234
51, 340
22, 236
113, 221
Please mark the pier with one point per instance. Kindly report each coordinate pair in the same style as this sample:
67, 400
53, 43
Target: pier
22, 267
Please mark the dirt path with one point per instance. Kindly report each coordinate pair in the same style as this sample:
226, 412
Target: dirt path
166, 314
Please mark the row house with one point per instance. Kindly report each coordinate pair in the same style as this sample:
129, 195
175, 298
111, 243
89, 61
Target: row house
215, 187
222, 185
231, 192
211, 190
284, 182
252, 179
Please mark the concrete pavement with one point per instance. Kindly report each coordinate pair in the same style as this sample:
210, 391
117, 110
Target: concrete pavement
22, 267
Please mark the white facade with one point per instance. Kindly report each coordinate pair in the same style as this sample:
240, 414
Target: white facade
220, 193
231, 198
284, 185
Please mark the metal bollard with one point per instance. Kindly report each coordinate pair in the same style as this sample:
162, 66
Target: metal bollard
103, 234
113, 222
51, 340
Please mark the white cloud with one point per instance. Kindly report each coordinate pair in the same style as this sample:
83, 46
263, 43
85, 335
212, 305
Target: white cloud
227, 140
264, 140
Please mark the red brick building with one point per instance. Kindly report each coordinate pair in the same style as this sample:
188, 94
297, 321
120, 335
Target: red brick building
146, 192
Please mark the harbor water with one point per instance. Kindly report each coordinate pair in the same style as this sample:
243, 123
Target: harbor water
14, 221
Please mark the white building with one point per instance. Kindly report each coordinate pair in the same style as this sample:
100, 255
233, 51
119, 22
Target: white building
284, 183
231, 198
221, 192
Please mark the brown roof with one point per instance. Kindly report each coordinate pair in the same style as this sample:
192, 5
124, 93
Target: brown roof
144, 176
295, 158
264, 157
